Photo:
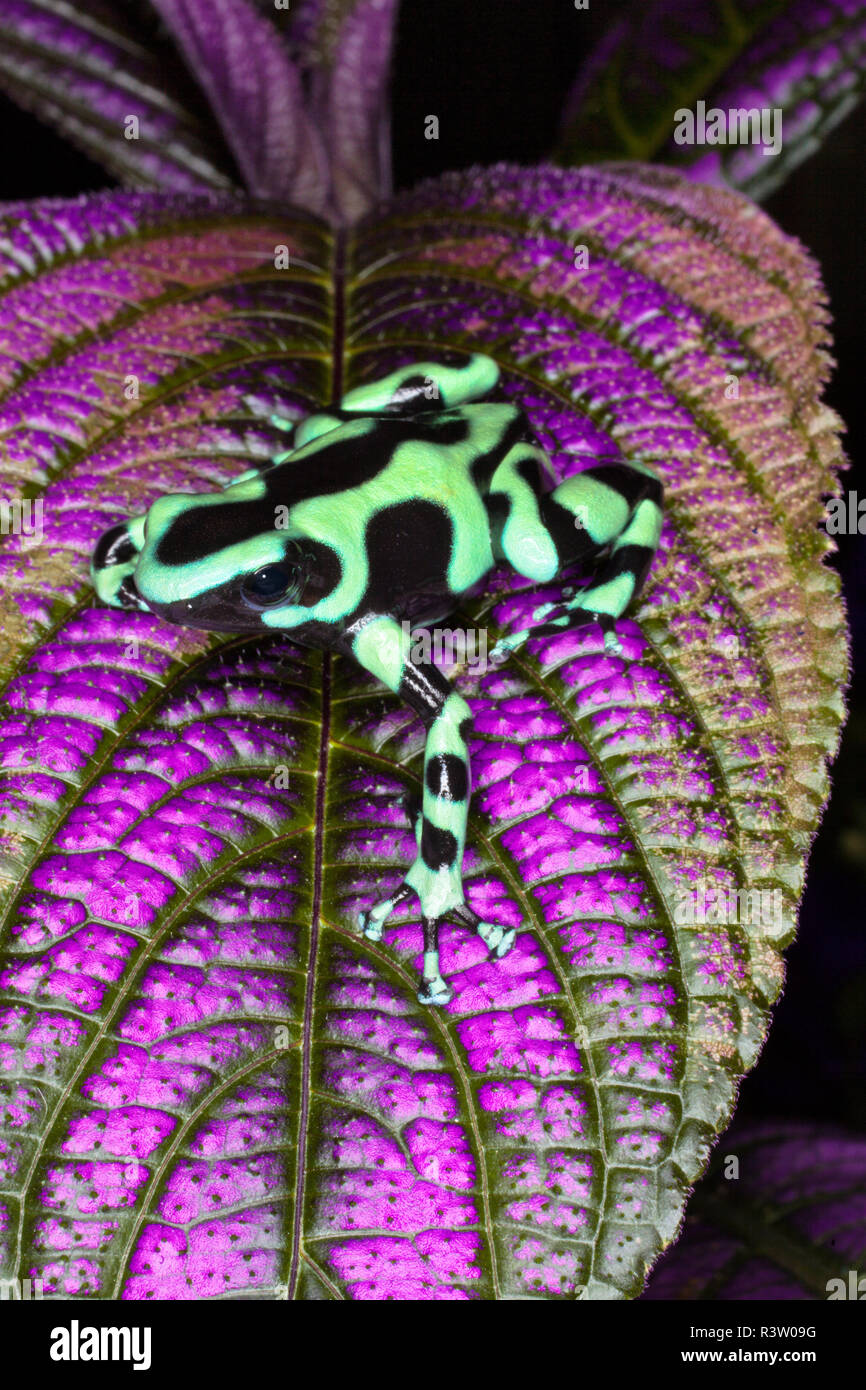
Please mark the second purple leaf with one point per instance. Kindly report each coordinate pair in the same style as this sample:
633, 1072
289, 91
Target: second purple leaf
108, 81
343, 49
781, 1216
256, 97
736, 94
184, 95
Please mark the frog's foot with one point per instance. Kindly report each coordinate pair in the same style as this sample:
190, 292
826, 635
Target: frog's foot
571, 616
112, 568
372, 920
498, 940
560, 615
434, 989
607, 624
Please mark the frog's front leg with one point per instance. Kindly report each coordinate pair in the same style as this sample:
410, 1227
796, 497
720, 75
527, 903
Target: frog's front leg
610, 514
381, 646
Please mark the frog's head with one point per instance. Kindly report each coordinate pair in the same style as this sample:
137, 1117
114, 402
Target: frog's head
216, 562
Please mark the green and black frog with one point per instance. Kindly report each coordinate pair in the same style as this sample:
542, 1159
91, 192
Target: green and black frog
382, 514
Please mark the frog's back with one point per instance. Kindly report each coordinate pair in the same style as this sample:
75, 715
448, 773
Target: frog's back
399, 502
389, 453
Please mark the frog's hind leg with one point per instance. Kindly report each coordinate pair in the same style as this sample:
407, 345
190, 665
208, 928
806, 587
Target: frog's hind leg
620, 506
381, 646
112, 568
436, 874
610, 514
498, 940
412, 390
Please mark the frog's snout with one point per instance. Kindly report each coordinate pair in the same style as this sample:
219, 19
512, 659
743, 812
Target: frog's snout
112, 568
181, 612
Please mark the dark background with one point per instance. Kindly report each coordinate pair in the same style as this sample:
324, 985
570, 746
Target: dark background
495, 73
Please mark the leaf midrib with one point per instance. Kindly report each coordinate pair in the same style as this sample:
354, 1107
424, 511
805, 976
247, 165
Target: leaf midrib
338, 340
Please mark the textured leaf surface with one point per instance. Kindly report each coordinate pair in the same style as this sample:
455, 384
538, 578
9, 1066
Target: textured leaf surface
807, 60
214, 1086
292, 104
86, 67
344, 48
793, 1220
255, 95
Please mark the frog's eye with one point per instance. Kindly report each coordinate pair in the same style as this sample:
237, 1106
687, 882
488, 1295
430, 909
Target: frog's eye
267, 586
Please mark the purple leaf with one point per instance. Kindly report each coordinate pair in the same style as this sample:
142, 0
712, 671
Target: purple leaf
88, 69
218, 1084
807, 61
300, 97
255, 94
781, 1216
346, 50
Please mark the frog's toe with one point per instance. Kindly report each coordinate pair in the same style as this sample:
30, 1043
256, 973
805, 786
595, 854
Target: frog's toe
502, 650
370, 923
543, 611
436, 992
372, 919
498, 940
612, 643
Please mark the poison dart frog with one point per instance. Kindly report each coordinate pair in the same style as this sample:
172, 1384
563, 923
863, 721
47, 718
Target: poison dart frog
382, 513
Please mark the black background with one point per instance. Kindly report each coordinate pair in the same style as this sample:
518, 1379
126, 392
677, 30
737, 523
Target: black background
495, 73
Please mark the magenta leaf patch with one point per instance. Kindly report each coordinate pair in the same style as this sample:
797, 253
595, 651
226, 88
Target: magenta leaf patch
801, 67
212, 1083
